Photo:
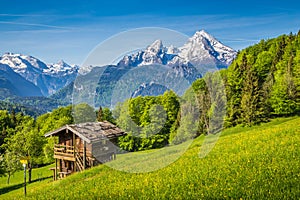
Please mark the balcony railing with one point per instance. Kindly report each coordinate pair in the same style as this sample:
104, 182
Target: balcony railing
64, 152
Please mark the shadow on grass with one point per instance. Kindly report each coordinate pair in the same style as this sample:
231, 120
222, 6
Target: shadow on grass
17, 186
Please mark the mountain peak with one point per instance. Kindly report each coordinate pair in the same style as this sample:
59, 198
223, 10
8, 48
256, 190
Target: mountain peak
155, 47
201, 48
204, 48
20, 62
61, 68
202, 34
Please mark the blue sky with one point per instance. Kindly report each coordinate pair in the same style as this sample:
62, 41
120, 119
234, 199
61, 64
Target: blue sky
70, 29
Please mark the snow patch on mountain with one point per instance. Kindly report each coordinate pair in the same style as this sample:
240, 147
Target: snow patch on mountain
19, 63
204, 48
61, 69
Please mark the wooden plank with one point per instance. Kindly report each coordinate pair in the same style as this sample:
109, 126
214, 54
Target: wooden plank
64, 154
84, 154
63, 146
55, 170
64, 158
70, 151
60, 165
74, 143
59, 149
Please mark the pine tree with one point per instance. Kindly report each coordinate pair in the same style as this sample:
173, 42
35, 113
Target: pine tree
266, 92
204, 103
250, 99
13, 117
100, 115
234, 92
280, 50
291, 89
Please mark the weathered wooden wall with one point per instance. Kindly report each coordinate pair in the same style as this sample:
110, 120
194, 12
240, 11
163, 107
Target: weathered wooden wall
103, 150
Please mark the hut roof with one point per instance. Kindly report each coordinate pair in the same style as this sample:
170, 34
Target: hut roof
91, 131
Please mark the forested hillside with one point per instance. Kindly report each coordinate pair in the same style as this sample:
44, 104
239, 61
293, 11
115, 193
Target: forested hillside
33, 106
264, 81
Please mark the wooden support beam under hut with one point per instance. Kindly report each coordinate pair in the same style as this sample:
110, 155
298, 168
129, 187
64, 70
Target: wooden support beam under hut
81, 146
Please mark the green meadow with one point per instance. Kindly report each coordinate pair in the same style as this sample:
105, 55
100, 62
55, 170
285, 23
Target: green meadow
261, 162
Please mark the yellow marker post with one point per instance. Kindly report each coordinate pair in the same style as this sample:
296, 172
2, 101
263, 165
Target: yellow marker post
24, 161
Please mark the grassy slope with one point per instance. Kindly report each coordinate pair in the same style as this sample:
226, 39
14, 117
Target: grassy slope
39, 176
254, 163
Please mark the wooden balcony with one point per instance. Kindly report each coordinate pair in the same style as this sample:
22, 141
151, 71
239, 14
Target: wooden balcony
64, 152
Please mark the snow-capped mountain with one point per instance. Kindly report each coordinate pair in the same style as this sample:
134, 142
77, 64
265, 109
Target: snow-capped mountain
155, 53
19, 63
152, 70
203, 48
48, 77
200, 50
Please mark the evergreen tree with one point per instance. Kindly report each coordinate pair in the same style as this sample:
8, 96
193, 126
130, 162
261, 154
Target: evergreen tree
234, 93
107, 115
203, 103
265, 92
100, 115
4, 125
284, 92
250, 100
13, 117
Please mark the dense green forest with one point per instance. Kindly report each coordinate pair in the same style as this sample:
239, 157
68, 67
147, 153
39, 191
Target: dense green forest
262, 83
9, 106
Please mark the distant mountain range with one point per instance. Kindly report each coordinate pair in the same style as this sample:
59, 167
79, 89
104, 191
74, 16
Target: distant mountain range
47, 78
25, 76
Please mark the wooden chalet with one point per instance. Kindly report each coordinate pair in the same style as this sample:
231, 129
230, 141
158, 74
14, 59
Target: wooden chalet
84, 145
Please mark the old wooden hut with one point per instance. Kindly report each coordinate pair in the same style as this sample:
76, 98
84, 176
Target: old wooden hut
84, 145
